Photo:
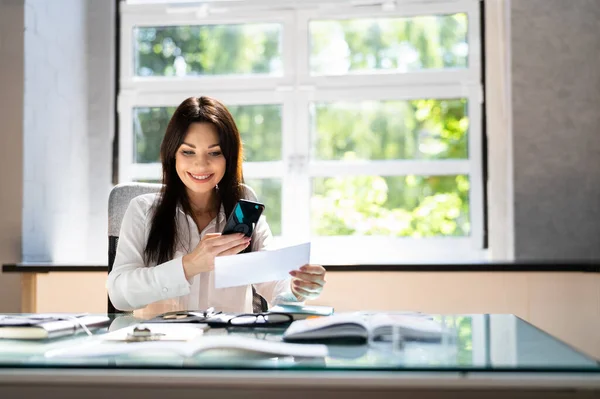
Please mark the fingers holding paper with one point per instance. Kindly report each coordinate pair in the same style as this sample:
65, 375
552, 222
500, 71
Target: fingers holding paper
202, 258
315, 278
308, 281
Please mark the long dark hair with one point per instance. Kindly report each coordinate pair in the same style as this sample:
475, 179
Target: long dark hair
164, 231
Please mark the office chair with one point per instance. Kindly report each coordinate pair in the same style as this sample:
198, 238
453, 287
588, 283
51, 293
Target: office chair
118, 201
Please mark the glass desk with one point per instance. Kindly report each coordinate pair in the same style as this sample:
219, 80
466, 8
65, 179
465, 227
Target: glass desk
491, 353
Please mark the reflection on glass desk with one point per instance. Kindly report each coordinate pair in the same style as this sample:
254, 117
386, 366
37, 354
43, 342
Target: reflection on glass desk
474, 343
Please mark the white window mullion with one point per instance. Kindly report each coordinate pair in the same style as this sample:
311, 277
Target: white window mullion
405, 9
126, 137
394, 92
289, 215
474, 39
477, 185
170, 15
299, 205
202, 85
138, 98
390, 168
263, 170
475, 96
300, 170
124, 100
406, 81
126, 49
287, 182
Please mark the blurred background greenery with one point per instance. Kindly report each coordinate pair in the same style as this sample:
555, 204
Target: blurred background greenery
348, 131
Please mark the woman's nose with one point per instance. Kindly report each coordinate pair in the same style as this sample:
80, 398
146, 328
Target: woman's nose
200, 161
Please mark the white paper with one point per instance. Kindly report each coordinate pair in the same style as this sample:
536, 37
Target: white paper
260, 267
167, 331
230, 342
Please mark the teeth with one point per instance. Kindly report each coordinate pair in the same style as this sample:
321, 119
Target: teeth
200, 177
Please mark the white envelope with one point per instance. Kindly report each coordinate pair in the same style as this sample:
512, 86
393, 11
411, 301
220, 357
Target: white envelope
260, 267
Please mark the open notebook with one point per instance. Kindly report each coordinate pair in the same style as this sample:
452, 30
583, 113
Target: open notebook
48, 325
357, 327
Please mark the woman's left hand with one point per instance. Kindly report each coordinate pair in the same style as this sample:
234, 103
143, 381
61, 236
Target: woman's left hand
308, 281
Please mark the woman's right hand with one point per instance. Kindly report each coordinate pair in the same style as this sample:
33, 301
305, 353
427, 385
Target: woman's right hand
202, 258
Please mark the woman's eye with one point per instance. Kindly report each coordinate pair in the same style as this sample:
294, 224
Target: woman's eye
215, 153
185, 152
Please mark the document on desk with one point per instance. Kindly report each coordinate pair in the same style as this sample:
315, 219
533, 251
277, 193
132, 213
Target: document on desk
260, 267
231, 343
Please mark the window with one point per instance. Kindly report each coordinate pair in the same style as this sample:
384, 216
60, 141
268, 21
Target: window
361, 121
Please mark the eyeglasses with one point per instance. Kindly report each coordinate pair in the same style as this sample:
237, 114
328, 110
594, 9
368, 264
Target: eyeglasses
261, 319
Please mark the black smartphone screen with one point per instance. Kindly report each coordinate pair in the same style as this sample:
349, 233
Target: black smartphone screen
243, 218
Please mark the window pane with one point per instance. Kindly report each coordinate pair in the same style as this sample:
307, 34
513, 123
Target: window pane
149, 126
400, 206
379, 130
396, 45
259, 127
268, 192
208, 50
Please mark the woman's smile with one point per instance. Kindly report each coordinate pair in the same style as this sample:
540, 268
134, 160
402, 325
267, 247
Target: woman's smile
200, 178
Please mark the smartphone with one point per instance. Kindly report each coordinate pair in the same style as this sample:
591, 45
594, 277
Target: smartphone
243, 218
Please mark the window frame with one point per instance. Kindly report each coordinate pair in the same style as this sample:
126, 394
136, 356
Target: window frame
295, 90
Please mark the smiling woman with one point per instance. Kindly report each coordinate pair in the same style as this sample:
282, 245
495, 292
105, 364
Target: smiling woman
168, 242
196, 125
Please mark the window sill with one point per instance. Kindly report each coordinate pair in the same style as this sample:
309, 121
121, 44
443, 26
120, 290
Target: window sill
47, 267
563, 266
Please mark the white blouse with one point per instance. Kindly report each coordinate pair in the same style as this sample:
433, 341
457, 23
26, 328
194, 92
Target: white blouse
162, 288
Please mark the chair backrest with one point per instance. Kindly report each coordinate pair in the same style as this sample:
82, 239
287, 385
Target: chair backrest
118, 201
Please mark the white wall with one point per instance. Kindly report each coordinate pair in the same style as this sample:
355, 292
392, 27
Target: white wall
101, 125
69, 80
